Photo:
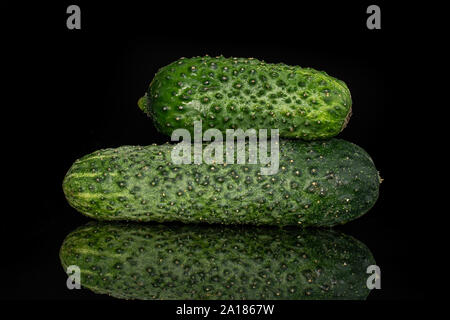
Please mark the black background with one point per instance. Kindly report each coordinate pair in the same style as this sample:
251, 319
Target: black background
71, 92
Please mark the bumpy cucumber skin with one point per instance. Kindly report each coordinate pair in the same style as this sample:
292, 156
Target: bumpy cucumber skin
227, 93
319, 183
131, 261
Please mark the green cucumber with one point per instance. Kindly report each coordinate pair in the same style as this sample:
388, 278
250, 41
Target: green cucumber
132, 261
319, 183
227, 93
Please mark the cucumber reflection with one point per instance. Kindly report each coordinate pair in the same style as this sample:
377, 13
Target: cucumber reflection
134, 261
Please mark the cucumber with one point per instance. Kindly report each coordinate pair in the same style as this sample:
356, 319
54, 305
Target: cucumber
319, 183
132, 261
244, 93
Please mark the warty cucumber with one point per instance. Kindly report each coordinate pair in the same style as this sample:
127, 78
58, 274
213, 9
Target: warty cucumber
319, 183
247, 93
